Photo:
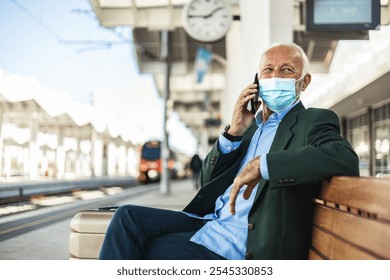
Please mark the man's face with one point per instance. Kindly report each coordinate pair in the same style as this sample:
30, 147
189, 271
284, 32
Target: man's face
283, 62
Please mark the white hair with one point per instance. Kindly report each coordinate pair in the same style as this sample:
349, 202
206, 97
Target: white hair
306, 63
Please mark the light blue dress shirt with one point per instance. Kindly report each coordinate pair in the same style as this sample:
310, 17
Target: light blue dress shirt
226, 234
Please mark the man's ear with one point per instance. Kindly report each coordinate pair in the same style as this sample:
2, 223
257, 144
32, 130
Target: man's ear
306, 81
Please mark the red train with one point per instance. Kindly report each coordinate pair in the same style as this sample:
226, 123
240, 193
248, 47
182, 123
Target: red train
150, 164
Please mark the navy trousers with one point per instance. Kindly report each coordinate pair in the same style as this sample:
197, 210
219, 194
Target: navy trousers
138, 232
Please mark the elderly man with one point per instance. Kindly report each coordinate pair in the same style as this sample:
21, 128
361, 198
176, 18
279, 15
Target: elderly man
257, 182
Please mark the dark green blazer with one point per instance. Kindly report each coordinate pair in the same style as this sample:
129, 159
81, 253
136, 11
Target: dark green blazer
307, 149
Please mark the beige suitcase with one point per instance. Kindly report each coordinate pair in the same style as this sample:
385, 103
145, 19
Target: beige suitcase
88, 229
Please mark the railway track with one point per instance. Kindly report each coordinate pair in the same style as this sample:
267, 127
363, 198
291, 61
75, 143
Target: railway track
10, 228
27, 190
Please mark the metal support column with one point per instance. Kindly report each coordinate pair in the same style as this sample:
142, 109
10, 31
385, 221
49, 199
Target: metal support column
1, 143
164, 183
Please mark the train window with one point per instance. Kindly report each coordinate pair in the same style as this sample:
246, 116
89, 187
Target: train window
151, 150
152, 144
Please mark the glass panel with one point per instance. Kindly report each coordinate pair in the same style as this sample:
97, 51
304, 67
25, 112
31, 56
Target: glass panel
359, 138
151, 3
382, 138
115, 3
158, 3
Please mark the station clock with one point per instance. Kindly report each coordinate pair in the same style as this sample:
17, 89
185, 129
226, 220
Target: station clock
207, 20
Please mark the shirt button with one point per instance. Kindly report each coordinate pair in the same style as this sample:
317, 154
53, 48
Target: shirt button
248, 256
251, 226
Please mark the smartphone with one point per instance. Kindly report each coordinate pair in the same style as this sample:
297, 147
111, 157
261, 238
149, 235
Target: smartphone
252, 101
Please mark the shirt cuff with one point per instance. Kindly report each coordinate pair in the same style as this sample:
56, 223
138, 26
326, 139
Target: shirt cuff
225, 146
264, 167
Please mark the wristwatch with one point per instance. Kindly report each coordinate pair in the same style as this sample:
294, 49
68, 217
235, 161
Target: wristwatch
229, 136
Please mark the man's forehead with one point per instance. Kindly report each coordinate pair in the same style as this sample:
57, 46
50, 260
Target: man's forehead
282, 55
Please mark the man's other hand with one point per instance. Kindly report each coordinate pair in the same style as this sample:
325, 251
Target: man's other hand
249, 176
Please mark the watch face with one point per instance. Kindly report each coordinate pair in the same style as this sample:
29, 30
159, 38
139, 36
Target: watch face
207, 20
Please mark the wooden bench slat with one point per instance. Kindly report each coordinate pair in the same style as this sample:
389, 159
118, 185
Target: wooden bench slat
367, 234
333, 248
314, 256
364, 193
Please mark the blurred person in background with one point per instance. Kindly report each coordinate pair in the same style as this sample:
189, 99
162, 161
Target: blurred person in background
196, 167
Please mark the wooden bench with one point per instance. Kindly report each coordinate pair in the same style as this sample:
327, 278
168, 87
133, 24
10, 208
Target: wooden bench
352, 220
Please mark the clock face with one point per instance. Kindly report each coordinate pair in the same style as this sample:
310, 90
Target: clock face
207, 20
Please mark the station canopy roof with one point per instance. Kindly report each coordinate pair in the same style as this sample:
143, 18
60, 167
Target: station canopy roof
23, 99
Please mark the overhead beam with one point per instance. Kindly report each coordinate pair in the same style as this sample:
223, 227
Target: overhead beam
153, 18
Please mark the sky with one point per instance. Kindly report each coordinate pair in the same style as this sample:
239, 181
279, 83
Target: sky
38, 38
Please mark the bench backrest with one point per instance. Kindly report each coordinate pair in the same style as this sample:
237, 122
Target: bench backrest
352, 219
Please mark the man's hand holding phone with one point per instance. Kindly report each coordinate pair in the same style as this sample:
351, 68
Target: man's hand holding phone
242, 117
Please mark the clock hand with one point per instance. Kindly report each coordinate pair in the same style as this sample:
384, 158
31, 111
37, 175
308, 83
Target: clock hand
196, 16
206, 16
213, 12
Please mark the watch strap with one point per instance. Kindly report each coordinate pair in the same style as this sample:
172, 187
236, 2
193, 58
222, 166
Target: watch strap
229, 136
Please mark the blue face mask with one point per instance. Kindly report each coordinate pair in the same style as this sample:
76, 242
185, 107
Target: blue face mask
278, 93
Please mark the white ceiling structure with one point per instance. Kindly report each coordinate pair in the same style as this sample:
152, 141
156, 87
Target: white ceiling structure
358, 77
23, 100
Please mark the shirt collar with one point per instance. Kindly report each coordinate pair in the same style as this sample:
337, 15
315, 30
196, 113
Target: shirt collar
276, 116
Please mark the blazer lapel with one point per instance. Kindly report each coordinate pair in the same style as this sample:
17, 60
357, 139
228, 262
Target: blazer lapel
284, 132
